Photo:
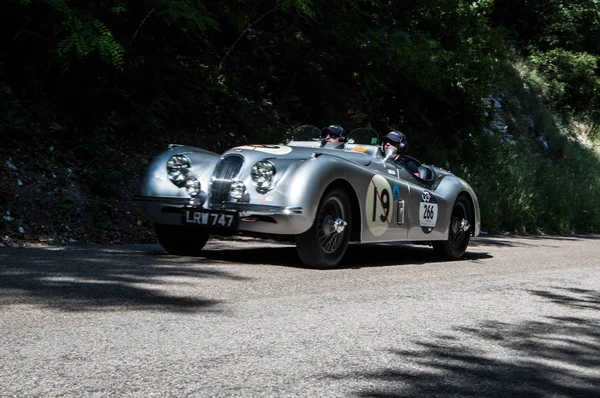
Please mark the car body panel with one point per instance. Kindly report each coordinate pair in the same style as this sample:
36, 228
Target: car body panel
393, 204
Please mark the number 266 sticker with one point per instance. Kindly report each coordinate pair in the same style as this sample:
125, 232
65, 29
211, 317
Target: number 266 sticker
428, 212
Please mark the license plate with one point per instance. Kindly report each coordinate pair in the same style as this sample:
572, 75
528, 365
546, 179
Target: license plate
210, 218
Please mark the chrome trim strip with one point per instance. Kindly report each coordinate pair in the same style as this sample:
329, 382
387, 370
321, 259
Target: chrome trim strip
241, 207
168, 200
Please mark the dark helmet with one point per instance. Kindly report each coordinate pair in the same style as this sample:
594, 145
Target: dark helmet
335, 130
396, 138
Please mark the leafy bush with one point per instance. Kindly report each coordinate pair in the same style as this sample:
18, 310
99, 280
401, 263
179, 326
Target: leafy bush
571, 79
540, 182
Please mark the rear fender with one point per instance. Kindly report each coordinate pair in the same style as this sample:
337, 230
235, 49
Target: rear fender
450, 188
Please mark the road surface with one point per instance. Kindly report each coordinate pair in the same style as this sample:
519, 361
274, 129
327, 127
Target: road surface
516, 317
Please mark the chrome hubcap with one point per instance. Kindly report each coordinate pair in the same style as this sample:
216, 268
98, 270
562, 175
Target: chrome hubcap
331, 227
339, 225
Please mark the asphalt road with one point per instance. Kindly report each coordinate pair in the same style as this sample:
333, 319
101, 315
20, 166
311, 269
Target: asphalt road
517, 317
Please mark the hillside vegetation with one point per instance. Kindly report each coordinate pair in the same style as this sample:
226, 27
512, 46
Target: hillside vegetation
504, 93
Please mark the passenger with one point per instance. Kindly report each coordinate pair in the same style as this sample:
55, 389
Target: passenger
398, 140
333, 133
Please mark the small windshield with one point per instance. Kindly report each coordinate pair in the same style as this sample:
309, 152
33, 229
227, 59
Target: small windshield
363, 136
305, 132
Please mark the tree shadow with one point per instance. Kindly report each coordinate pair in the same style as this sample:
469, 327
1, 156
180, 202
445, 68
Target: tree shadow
91, 278
559, 356
572, 297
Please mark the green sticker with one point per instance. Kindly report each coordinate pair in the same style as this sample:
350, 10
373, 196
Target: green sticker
374, 140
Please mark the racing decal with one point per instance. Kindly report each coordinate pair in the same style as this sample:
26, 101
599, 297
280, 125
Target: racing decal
396, 192
270, 149
361, 149
378, 205
428, 212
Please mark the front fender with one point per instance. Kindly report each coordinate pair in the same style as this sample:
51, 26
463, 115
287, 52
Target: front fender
155, 181
307, 183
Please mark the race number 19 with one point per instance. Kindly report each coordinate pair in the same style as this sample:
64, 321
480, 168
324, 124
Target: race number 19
381, 200
378, 209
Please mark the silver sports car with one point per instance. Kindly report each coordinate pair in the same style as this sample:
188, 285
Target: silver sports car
321, 195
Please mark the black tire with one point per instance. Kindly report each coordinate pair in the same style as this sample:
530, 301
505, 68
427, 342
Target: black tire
459, 234
181, 240
322, 246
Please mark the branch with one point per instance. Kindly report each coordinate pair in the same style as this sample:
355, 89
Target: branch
140, 26
248, 27
288, 87
23, 30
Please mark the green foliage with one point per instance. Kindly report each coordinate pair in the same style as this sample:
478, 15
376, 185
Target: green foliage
572, 79
84, 38
547, 24
114, 68
13, 117
521, 190
79, 32
305, 7
99, 162
103, 214
187, 14
540, 182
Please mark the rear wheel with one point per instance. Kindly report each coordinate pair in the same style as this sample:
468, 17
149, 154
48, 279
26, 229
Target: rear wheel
325, 243
181, 240
459, 232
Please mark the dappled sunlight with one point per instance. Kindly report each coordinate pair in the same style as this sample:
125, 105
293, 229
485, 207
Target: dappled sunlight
557, 356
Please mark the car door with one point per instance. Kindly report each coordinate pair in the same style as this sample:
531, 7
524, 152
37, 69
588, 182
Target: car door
425, 211
385, 208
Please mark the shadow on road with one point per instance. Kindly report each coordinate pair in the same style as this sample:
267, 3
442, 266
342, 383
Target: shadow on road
374, 254
357, 256
95, 278
559, 356
527, 240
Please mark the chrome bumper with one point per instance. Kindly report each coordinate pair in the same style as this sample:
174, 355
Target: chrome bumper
245, 208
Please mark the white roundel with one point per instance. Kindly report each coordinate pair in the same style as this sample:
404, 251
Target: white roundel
379, 205
270, 149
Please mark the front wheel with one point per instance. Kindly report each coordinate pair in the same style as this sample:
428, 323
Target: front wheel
181, 240
325, 243
459, 232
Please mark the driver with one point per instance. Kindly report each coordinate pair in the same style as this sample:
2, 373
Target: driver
333, 133
398, 140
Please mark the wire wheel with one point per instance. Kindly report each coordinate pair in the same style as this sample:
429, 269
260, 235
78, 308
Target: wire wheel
326, 241
459, 225
459, 231
328, 224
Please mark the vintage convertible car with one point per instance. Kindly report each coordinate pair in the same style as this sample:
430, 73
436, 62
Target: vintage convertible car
321, 195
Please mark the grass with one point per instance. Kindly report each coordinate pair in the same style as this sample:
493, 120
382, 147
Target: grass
543, 180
